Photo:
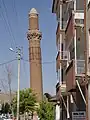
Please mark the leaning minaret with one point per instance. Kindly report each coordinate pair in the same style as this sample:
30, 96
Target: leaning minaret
34, 36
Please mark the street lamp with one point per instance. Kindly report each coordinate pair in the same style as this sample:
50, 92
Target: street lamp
18, 94
11, 49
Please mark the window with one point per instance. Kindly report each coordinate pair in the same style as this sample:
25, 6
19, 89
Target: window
79, 6
72, 50
79, 21
72, 54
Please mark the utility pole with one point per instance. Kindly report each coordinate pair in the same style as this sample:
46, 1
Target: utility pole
18, 89
18, 94
85, 53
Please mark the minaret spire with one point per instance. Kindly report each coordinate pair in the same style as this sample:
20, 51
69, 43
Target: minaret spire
34, 36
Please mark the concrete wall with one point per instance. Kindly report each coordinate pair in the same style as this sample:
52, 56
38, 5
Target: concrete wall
6, 97
80, 43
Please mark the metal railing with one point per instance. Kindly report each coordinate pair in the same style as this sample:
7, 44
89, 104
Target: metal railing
79, 11
80, 66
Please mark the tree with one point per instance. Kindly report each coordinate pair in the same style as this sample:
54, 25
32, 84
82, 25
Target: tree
5, 108
46, 110
27, 101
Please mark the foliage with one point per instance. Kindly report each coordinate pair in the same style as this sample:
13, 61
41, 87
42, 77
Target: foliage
27, 101
46, 110
5, 108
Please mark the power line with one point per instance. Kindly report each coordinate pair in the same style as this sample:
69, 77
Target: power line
14, 5
18, 18
5, 87
24, 69
48, 62
6, 25
15, 9
7, 62
24, 63
9, 25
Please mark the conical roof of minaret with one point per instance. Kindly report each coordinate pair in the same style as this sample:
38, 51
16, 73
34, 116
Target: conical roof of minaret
33, 11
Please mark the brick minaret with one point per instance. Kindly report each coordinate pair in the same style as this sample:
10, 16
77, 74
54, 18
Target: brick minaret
34, 36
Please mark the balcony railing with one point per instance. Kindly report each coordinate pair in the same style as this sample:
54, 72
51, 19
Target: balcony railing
80, 65
75, 68
79, 14
62, 57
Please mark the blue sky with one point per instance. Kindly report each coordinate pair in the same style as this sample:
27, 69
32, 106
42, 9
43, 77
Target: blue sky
17, 12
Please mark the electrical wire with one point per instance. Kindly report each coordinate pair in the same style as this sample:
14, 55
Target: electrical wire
24, 68
6, 25
48, 62
7, 62
17, 19
3, 85
9, 25
15, 9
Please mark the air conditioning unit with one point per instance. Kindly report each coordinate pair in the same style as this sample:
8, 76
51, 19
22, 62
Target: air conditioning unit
65, 55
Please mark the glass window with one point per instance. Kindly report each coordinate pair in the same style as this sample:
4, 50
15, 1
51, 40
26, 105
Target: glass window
72, 50
79, 4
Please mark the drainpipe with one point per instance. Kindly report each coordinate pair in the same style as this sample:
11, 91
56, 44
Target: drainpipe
60, 44
57, 112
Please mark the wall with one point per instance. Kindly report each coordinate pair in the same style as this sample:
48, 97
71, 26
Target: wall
80, 43
70, 77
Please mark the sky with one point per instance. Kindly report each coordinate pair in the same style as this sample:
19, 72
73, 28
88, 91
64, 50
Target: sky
13, 33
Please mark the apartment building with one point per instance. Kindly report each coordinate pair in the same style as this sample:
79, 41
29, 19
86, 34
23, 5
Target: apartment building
70, 60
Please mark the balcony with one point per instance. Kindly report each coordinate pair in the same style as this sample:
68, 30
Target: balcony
58, 32
80, 67
74, 70
63, 88
57, 3
69, 31
76, 19
60, 90
62, 57
79, 14
88, 14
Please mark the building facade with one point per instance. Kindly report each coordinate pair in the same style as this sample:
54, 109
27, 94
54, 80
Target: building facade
70, 60
34, 36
